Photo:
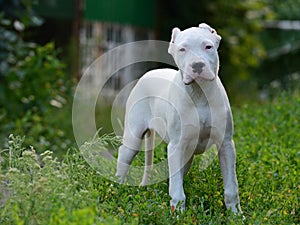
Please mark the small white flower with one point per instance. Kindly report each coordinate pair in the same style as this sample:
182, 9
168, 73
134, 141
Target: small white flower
56, 103
19, 26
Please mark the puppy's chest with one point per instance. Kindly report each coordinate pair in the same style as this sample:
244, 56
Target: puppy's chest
204, 139
206, 130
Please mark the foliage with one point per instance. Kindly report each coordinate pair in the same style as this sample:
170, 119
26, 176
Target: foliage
33, 86
35, 89
282, 45
16, 16
35, 80
242, 49
39, 189
287, 9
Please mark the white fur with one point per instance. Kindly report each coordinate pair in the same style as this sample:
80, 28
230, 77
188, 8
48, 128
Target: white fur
188, 108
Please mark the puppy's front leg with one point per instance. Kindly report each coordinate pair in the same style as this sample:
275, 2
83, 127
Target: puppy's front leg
227, 158
176, 174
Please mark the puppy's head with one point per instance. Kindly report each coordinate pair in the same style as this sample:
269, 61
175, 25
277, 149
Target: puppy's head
195, 52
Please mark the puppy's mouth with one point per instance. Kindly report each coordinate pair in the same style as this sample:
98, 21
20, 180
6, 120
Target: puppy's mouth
199, 79
188, 83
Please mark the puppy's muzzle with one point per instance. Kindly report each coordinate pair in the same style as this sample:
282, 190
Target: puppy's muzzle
198, 67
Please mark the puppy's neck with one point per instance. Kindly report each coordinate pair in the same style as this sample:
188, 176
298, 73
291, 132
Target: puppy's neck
200, 87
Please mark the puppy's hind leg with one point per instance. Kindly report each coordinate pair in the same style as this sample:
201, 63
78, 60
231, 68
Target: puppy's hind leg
132, 141
125, 157
149, 145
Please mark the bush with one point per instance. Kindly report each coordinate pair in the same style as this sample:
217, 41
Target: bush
37, 89
33, 85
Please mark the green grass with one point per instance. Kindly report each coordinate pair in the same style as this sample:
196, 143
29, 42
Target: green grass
39, 189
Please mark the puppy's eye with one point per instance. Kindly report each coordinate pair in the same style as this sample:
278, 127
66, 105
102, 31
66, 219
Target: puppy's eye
207, 47
182, 49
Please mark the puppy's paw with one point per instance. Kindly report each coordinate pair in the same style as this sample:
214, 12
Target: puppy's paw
181, 207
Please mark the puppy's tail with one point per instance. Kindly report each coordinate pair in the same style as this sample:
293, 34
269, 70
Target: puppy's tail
149, 145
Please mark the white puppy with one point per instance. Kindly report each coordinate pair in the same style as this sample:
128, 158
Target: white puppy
188, 108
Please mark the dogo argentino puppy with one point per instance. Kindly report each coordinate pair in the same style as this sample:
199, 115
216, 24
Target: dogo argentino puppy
188, 108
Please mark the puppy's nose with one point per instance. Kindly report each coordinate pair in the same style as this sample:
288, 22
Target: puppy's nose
198, 67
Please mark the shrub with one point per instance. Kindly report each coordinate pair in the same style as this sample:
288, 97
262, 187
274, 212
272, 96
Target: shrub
36, 89
33, 85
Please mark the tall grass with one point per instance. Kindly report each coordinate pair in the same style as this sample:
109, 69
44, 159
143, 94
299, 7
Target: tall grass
39, 189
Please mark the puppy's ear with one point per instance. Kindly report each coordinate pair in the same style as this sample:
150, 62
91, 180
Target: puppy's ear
206, 26
175, 32
213, 31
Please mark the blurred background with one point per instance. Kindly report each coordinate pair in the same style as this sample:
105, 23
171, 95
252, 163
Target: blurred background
46, 45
